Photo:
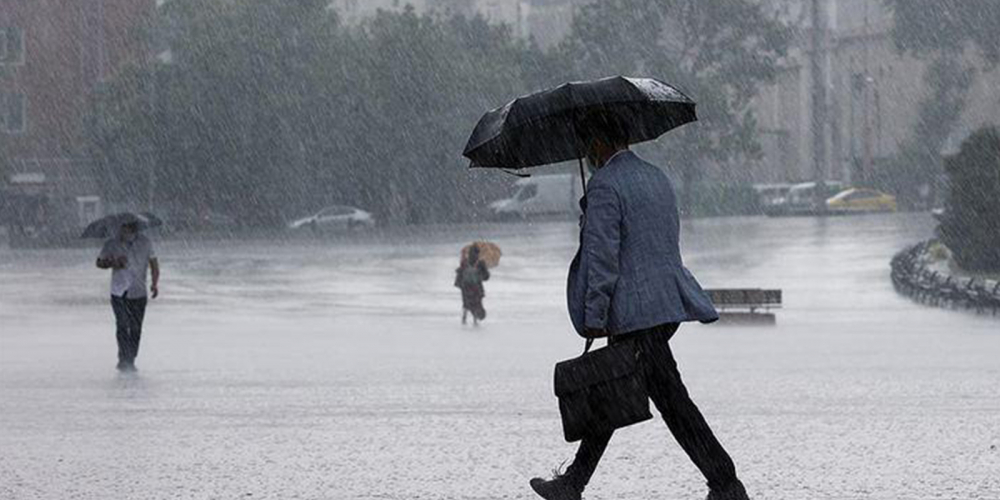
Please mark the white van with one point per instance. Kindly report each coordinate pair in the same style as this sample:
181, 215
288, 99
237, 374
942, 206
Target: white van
540, 195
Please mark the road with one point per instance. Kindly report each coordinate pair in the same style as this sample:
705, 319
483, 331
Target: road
337, 369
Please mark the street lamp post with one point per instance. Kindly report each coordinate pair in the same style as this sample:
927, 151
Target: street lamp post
866, 164
819, 116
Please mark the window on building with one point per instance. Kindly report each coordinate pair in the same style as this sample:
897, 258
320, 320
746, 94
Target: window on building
11, 46
13, 119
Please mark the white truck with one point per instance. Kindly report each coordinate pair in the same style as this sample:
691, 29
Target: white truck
541, 195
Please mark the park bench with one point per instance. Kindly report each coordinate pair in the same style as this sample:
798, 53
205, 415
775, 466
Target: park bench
745, 305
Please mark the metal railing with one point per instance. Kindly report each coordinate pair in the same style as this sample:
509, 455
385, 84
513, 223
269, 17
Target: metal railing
911, 277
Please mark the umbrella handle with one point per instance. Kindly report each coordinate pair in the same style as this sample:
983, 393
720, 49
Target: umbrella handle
515, 173
583, 179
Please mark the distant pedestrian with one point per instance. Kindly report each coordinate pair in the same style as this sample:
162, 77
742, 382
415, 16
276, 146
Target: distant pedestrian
469, 278
129, 255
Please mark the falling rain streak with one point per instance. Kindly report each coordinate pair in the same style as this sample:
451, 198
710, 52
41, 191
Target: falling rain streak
314, 296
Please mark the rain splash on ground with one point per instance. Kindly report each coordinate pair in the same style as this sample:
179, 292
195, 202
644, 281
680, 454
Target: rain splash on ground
337, 369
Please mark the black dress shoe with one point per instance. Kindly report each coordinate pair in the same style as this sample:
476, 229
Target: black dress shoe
557, 488
125, 366
735, 491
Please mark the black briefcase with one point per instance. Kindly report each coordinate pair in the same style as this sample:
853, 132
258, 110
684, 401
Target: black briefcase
600, 391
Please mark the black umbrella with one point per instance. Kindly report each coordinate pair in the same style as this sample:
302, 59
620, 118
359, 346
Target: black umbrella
541, 128
108, 226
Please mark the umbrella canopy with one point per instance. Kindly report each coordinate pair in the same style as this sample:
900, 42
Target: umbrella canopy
109, 225
488, 252
541, 128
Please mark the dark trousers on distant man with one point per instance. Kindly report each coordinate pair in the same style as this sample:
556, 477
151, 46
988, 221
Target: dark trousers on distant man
671, 399
129, 314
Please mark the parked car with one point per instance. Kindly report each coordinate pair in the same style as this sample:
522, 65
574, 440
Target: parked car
861, 200
335, 218
803, 198
539, 195
771, 195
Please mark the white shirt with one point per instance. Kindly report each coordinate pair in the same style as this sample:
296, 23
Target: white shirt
131, 278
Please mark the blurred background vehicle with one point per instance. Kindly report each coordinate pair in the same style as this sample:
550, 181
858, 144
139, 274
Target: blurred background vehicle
861, 200
541, 195
771, 195
335, 218
806, 198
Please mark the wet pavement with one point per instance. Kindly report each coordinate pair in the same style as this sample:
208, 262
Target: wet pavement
337, 369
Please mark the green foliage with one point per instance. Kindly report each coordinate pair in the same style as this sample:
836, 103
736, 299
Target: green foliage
273, 109
939, 31
927, 27
4, 161
918, 162
5, 166
715, 200
719, 52
971, 225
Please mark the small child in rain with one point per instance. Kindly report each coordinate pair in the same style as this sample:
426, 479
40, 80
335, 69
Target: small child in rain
469, 278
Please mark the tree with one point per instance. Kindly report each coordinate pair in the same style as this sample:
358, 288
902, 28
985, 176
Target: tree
4, 138
918, 163
425, 81
971, 226
926, 28
271, 109
717, 51
4, 159
940, 32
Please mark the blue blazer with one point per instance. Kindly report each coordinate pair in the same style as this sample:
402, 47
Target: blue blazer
628, 274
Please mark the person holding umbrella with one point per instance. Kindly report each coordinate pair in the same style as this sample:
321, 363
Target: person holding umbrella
130, 256
627, 281
469, 278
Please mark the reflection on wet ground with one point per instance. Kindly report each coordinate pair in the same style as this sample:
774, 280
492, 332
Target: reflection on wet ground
337, 368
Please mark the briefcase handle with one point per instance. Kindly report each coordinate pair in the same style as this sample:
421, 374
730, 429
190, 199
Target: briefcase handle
590, 341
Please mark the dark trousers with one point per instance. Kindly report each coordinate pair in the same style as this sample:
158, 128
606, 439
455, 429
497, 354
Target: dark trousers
128, 321
671, 399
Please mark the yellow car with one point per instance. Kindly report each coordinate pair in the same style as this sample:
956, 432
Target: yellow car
861, 200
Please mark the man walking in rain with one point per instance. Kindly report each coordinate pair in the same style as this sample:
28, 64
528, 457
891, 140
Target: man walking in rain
129, 254
629, 284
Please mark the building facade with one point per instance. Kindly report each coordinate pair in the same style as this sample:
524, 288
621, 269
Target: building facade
53, 55
872, 96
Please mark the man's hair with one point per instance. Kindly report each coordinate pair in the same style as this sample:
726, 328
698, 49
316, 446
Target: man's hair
604, 125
